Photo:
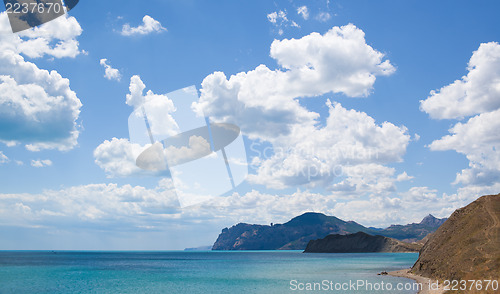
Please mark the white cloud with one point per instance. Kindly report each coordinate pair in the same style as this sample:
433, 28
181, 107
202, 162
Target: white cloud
136, 88
420, 194
158, 107
263, 103
404, 177
350, 145
303, 11
197, 148
149, 25
477, 92
323, 16
117, 157
110, 73
38, 106
478, 138
41, 163
408, 207
56, 38
104, 206
3, 158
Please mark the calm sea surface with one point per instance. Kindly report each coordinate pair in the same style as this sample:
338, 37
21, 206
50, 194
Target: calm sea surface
197, 272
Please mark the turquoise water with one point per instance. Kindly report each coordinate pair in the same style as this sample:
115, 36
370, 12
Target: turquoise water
195, 272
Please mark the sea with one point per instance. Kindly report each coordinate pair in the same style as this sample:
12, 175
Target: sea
202, 272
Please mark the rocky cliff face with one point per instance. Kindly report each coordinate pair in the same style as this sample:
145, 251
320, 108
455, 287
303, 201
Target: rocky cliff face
359, 243
295, 234
466, 246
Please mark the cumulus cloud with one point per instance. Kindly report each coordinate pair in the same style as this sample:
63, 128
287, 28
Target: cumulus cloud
478, 95
136, 88
41, 163
420, 194
263, 103
350, 145
110, 73
475, 93
38, 107
117, 157
303, 11
57, 38
149, 25
159, 109
479, 140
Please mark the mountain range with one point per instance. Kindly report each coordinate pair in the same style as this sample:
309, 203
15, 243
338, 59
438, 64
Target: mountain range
296, 233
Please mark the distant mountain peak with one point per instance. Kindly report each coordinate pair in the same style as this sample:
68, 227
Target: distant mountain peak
428, 217
432, 221
307, 218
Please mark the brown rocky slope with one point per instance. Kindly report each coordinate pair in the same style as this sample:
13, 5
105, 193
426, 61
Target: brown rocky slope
466, 246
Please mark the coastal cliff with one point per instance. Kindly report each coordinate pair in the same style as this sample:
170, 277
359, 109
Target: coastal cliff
359, 243
466, 246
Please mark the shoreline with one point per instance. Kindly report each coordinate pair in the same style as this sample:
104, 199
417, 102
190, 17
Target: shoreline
405, 273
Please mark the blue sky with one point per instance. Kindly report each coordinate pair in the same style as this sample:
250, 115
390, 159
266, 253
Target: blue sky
310, 77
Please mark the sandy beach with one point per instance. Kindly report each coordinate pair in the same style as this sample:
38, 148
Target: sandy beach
426, 289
